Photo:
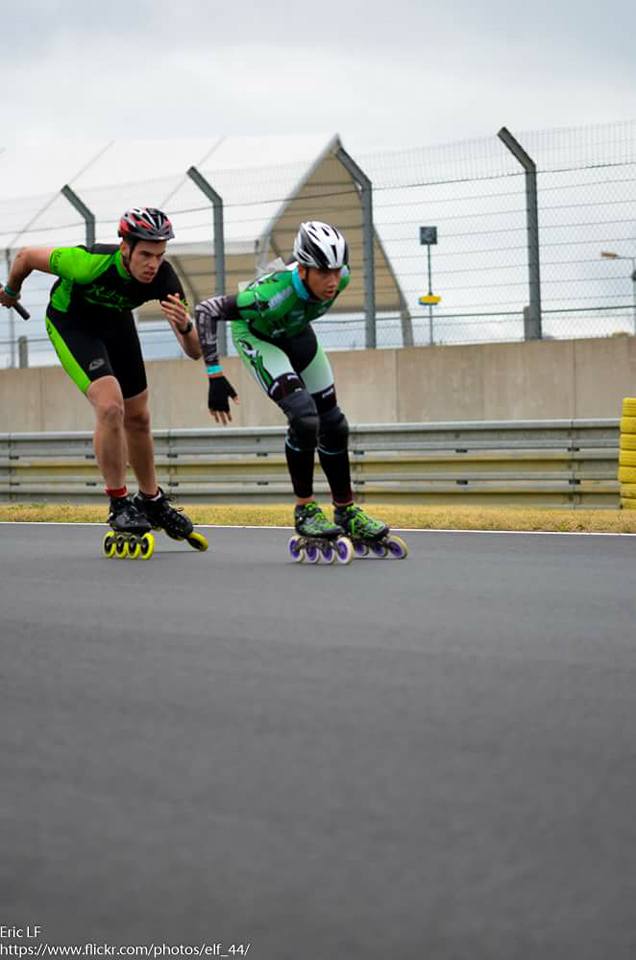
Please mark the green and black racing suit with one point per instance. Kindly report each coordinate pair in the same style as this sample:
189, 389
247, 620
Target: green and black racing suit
89, 317
271, 330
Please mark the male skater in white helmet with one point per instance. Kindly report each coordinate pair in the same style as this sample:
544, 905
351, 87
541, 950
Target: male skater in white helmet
271, 329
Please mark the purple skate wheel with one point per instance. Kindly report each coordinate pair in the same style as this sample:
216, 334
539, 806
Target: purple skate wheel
328, 553
295, 548
379, 549
312, 553
397, 547
344, 550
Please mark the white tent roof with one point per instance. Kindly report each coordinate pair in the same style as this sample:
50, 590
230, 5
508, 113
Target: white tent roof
268, 185
110, 176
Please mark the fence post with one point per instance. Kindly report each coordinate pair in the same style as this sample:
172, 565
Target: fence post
532, 225
82, 209
7, 257
531, 330
219, 245
366, 191
23, 353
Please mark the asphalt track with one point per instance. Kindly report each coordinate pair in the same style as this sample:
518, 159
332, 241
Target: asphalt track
431, 759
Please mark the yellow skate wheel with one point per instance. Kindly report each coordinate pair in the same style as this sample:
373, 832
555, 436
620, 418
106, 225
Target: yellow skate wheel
121, 547
629, 407
134, 548
628, 441
198, 541
627, 458
628, 425
627, 474
146, 546
108, 544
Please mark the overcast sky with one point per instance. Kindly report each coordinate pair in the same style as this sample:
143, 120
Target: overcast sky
383, 75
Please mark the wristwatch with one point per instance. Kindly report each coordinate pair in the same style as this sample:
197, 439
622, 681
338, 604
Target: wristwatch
186, 329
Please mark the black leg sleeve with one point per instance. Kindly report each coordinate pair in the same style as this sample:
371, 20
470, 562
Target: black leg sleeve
302, 438
337, 470
300, 464
333, 452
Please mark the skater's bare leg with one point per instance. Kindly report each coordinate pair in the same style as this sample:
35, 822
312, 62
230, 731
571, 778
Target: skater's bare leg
106, 399
109, 438
141, 453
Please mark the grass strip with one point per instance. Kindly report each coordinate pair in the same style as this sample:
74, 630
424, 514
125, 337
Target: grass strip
398, 516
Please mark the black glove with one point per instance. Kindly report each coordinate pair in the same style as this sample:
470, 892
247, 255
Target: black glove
219, 389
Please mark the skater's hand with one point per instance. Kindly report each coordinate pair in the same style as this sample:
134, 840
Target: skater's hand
175, 311
219, 390
6, 299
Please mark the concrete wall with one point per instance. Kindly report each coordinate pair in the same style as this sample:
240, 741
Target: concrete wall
500, 381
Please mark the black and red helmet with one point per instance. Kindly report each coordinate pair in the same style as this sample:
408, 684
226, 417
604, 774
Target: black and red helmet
145, 223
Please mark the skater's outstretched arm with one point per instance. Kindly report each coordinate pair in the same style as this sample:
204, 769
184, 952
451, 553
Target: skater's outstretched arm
207, 315
26, 261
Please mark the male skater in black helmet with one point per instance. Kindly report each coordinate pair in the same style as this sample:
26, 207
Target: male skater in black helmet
90, 322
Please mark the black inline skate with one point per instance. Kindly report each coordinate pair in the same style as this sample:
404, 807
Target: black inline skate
316, 537
130, 535
367, 534
162, 516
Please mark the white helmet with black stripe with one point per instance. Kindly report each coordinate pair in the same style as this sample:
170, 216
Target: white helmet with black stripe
319, 245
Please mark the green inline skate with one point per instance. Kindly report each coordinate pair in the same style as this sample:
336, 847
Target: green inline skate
317, 538
369, 535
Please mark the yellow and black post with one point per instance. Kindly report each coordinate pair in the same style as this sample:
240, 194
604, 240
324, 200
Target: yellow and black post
627, 454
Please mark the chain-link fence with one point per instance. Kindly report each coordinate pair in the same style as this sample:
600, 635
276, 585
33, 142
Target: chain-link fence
474, 194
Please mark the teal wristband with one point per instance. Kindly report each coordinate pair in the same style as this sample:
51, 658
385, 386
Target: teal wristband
9, 292
215, 369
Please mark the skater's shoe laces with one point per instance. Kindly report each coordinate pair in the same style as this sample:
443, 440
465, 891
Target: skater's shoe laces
161, 513
359, 524
310, 521
125, 516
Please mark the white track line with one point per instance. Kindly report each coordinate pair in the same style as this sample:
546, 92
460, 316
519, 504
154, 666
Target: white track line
260, 526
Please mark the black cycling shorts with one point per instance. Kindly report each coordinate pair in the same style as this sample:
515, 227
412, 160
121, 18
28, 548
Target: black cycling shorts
108, 347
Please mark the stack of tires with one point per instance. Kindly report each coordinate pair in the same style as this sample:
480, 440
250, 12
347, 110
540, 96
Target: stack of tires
627, 455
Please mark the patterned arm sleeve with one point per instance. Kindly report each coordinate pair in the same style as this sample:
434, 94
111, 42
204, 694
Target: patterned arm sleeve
207, 315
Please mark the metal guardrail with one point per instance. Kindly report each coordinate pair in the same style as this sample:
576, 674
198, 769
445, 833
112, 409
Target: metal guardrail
559, 463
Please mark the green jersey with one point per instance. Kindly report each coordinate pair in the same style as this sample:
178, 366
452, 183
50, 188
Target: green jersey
94, 282
279, 304
274, 306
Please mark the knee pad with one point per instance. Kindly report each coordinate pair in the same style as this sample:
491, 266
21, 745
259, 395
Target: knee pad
334, 430
300, 410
